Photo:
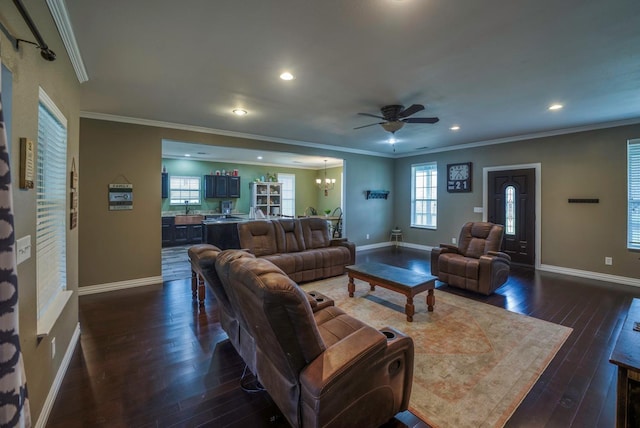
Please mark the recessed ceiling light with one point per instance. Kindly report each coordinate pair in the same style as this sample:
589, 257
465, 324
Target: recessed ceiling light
454, 128
555, 106
239, 112
286, 76
259, 157
187, 155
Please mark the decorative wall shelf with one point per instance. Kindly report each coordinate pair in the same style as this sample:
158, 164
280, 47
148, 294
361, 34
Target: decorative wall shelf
377, 194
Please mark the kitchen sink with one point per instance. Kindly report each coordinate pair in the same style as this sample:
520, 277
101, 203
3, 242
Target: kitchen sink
188, 219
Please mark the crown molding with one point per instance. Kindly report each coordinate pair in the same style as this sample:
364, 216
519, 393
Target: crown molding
205, 130
532, 136
61, 17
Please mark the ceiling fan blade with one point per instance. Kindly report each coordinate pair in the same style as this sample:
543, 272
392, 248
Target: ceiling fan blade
412, 109
371, 115
371, 124
421, 120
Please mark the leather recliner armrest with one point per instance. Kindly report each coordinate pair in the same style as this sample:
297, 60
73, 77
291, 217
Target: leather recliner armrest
499, 254
346, 358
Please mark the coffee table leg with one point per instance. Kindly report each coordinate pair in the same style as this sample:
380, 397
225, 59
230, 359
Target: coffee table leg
372, 286
351, 287
431, 300
409, 309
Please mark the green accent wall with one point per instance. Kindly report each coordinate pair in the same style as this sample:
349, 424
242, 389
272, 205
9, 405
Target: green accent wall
307, 192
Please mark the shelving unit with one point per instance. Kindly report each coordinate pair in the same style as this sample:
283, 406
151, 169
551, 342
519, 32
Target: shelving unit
267, 196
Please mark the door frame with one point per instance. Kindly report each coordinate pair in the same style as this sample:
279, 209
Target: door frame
485, 199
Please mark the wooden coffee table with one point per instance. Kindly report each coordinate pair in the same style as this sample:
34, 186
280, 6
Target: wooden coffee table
396, 279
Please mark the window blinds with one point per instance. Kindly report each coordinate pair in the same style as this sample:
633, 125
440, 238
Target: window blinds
633, 186
51, 259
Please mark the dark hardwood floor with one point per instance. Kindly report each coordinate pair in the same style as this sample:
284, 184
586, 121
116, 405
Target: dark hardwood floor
149, 357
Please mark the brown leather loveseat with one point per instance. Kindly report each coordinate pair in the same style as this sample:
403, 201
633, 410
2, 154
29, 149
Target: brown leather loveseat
322, 368
302, 248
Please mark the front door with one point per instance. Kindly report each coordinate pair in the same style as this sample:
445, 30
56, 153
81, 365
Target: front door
512, 203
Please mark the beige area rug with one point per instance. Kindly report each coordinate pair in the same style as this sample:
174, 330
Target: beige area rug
474, 363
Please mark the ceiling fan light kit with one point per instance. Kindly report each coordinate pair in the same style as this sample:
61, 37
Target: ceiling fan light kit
394, 117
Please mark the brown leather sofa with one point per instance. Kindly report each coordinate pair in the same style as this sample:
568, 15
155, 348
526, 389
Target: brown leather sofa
302, 248
322, 368
476, 264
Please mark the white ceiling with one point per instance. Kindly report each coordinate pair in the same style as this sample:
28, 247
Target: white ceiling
492, 67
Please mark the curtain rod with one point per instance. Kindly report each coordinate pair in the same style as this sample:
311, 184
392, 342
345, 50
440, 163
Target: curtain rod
45, 52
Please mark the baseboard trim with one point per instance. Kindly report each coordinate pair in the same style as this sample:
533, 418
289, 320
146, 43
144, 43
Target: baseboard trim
635, 282
120, 285
57, 382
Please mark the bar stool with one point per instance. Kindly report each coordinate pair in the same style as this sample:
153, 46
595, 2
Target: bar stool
396, 236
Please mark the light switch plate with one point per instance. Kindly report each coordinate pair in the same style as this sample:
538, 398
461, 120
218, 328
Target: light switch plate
23, 249
477, 209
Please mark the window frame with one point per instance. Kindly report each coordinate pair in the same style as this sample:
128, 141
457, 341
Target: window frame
51, 214
432, 168
633, 194
288, 178
177, 201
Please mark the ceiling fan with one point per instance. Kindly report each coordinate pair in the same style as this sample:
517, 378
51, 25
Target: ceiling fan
395, 116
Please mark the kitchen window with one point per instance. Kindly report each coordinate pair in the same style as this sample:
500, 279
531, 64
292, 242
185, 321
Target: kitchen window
184, 190
288, 197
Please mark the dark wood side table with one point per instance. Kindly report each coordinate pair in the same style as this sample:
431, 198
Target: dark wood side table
626, 355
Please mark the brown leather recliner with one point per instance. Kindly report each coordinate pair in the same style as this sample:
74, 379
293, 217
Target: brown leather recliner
323, 368
202, 258
476, 263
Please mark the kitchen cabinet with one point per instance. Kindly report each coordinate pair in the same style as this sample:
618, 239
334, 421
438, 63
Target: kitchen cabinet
267, 197
180, 234
167, 231
221, 186
165, 185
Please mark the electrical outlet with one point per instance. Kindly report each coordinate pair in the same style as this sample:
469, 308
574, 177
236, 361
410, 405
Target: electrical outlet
454, 241
367, 236
608, 261
53, 348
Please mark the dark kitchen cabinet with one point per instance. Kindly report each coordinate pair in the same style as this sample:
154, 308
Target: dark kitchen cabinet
221, 186
181, 234
233, 187
165, 185
195, 234
167, 231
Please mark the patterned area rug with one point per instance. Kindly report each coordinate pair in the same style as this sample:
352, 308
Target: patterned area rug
474, 363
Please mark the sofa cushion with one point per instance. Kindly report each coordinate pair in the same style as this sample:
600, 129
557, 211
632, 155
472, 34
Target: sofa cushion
289, 237
315, 231
259, 237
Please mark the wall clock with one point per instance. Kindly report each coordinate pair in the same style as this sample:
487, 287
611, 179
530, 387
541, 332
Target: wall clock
459, 177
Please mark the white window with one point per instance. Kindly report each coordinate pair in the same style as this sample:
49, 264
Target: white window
51, 216
424, 195
288, 194
184, 190
633, 186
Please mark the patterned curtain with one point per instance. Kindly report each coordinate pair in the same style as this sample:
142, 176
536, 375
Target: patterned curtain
14, 402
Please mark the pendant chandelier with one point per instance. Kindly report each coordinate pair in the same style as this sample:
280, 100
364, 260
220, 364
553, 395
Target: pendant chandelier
328, 183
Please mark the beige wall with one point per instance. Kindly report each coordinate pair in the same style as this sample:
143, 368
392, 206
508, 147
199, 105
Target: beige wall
59, 81
579, 165
125, 246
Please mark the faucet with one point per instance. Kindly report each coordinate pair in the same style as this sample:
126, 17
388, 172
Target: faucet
186, 208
